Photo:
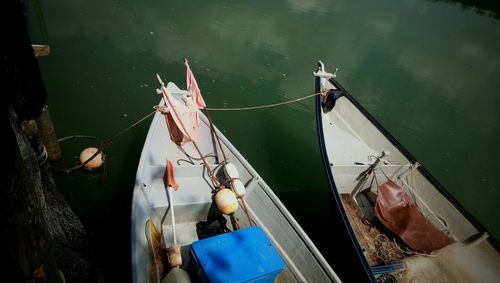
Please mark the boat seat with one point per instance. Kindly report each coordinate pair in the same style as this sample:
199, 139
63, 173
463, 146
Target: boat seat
187, 204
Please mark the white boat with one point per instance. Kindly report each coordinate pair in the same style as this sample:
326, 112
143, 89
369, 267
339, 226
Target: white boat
362, 160
193, 201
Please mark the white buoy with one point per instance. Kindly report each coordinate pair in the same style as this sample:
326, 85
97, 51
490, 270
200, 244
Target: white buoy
226, 201
233, 175
231, 171
238, 187
93, 164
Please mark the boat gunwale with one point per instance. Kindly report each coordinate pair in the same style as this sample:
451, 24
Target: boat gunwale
333, 188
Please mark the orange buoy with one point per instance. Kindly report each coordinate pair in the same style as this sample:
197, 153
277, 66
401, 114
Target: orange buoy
93, 164
226, 201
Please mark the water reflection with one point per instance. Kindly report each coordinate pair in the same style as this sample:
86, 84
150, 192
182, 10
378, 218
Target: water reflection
428, 71
396, 57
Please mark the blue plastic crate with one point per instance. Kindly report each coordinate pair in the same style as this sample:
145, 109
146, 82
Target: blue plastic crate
246, 255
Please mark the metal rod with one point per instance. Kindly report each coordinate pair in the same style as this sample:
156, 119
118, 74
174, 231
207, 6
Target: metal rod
170, 198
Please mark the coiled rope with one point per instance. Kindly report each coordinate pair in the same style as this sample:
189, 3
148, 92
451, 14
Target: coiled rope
266, 105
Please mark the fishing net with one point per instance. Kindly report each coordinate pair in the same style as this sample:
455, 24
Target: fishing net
387, 278
388, 250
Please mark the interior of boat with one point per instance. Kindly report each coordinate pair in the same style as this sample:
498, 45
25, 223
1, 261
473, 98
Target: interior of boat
197, 218
362, 160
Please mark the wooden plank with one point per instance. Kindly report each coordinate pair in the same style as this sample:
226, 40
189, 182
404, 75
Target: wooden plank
41, 50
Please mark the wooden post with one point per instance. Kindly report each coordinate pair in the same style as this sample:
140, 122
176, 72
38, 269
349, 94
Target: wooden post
40, 50
48, 135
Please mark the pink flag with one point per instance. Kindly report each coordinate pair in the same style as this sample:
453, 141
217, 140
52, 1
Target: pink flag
192, 86
185, 116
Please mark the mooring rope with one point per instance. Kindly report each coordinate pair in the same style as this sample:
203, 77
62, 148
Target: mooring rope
103, 143
109, 141
264, 106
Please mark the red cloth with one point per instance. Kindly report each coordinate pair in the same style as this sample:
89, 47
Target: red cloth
185, 116
175, 133
397, 211
169, 176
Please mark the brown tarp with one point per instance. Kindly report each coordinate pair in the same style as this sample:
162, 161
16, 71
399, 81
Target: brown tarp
397, 211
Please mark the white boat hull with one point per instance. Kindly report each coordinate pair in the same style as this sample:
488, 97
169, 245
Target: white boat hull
304, 263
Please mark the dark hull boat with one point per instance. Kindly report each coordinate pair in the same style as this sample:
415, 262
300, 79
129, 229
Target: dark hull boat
402, 223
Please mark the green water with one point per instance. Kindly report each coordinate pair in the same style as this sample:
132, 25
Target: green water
427, 70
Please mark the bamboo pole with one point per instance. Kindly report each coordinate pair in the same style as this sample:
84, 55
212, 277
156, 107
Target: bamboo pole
48, 135
214, 132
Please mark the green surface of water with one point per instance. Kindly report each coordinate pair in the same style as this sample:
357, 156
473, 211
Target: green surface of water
428, 71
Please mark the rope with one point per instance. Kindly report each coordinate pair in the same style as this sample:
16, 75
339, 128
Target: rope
110, 140
264, 106
215, 135
103, 143
214, 180
192, 157
389, 250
